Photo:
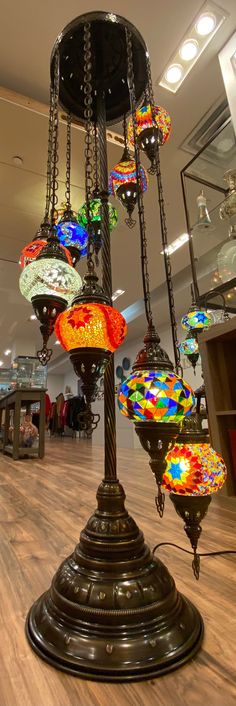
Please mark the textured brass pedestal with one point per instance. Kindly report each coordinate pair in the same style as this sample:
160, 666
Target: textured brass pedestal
113, 612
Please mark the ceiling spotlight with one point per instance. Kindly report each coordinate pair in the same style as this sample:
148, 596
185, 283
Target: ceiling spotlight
189, 50
174, 73
7, 352
57, 343
17, 160
33, 317
206, 24
1, 363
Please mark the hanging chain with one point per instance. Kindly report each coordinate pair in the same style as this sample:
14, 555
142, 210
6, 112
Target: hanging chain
125, 133
88, 111
142, 224
68, 161
164, 235
54, 170
49, 160
96, 176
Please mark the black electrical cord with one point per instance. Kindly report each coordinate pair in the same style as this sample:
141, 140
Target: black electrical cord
187, 551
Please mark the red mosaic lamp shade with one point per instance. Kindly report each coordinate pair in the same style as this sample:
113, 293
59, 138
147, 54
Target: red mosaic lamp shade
91, 325
31, 251
193, 469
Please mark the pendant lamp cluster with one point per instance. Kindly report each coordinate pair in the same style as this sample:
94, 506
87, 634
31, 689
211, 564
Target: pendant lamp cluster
111, 563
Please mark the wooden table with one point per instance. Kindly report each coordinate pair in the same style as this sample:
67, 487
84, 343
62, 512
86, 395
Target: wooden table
15, 400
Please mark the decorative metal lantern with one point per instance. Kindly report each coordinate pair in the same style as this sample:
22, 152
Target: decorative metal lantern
153, 126
123, 184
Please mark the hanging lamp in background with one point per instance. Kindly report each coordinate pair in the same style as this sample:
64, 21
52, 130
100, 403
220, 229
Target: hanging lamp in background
203, 220
153, 126
123, 181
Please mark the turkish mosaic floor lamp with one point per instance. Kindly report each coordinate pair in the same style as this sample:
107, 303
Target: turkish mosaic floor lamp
113, 612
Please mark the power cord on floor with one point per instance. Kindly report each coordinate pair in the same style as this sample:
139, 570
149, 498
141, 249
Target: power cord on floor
196, 556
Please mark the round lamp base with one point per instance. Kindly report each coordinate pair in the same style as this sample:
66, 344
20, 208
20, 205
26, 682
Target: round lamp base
113, 612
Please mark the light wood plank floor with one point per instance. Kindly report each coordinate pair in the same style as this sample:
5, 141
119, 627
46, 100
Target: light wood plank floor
44, 504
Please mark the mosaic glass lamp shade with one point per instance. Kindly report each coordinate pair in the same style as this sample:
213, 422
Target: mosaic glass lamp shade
95, 211
155, 396
189, 346
147, 119
71, 233
197, 319
49, 276
125, 173
31, 251
193, 469
91, 325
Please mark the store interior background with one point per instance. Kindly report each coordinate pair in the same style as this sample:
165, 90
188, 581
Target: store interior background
24, 77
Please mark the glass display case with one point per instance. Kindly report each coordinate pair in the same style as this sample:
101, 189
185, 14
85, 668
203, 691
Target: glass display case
27, 372
209, 192
5, 381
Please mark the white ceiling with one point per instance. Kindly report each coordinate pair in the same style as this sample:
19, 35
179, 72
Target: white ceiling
25, 48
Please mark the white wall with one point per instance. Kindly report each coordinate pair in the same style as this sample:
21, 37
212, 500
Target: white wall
55, 385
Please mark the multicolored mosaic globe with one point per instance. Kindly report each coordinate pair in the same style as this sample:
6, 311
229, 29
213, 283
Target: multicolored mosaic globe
155, 396
146, 119
125, 173
189, 346
193, 469
198, 319
95, 211
71, 233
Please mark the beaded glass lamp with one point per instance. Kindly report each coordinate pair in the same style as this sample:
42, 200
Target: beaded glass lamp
153, 126
155, 396
49, 276
91, 325
95, 211
194, 469
123, 184
197, 319
71, 234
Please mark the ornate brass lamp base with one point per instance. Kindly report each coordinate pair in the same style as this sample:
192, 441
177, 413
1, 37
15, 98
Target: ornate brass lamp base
113, 612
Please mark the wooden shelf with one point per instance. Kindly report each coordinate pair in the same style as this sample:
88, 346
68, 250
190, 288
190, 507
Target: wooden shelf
226, 412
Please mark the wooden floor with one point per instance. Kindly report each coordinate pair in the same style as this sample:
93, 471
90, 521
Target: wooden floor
44, 504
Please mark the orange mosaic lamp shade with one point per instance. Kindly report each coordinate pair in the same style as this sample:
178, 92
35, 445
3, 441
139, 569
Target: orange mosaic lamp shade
31, 251
92, 325
194, 469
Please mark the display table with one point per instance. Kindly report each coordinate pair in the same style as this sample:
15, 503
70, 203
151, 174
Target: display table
16, 400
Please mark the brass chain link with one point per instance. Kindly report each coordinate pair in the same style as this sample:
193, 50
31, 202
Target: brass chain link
88, 111
164, 233
54, 170
68, 160
142, 224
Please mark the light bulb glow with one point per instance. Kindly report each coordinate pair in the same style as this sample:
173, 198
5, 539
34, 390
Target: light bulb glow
174, 73
189, 50
206, 24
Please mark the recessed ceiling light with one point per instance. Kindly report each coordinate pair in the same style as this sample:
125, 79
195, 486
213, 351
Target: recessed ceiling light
197, 37
174, 73
206, 24
33, 317
57, 343
189, 50
7, 352
1, 363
